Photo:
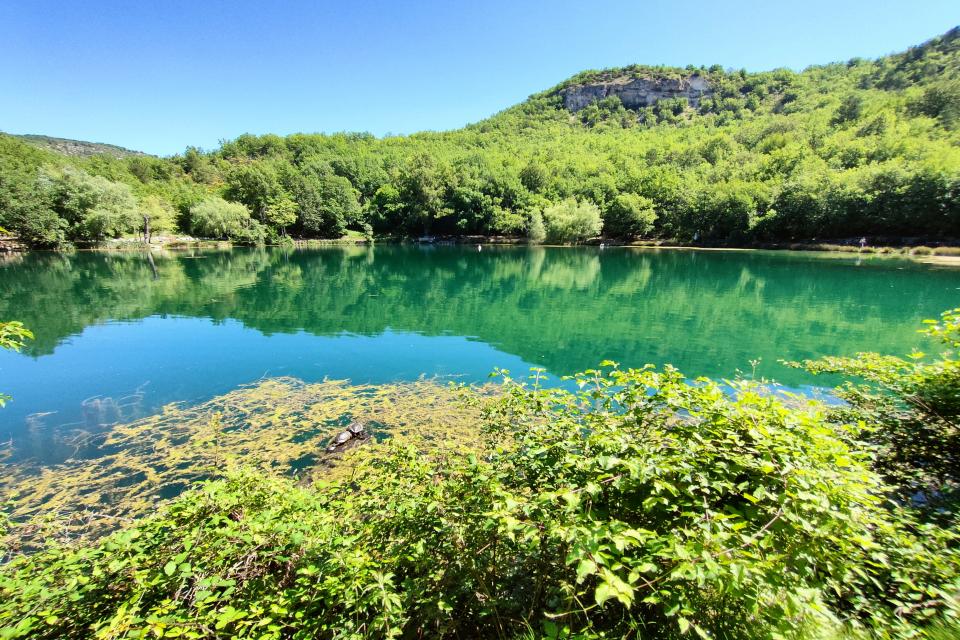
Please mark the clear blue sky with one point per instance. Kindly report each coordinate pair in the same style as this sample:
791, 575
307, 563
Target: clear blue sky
160, 75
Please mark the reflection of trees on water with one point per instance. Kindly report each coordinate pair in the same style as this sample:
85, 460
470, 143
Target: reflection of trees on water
578, 272
707, 312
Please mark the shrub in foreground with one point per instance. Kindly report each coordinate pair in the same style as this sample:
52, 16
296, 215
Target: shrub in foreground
641, 505
909, 410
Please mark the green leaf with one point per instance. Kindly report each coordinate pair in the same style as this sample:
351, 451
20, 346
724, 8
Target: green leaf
585, 568
603, 593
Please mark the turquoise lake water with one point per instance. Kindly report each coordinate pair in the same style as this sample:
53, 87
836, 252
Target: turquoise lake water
116, 340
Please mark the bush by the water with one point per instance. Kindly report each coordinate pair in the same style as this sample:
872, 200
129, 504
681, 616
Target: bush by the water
217, 218
643, 505
571, 221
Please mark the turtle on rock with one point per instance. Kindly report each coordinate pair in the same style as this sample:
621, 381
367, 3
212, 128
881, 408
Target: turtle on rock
355, 430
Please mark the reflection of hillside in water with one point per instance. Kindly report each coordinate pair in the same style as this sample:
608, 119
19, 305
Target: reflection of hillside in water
706, 312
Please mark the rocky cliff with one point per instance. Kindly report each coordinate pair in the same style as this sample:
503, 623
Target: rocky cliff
636, 93
79, 148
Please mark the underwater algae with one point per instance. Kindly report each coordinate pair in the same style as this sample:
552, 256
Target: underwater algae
280, 426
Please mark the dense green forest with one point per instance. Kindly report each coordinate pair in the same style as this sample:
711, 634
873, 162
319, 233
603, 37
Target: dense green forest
865, 147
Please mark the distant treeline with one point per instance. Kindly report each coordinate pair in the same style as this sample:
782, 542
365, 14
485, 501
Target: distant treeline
847, 149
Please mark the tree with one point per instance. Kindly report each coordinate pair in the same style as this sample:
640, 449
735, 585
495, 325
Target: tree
365, 173
534, 177
255, 184
325, 202
386, 208
850, 109
536, 232
941, 100
572, 221
199, 166
629, 215
422, 186
217, 218
281, 212
26, 211
725, 211
93, 207
157, 216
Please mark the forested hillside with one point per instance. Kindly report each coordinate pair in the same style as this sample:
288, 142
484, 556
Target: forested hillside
865, 147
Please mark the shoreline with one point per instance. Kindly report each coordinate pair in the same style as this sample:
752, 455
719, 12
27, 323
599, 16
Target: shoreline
929, 253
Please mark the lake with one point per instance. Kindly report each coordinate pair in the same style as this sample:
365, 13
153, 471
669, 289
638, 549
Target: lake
118, 337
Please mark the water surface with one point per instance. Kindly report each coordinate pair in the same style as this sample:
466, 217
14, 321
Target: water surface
116, 339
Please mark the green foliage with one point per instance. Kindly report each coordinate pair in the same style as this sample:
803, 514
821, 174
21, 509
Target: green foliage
281, 212
572, 221
92, 207
421, 186
849, 110
536, 231
534, 177
609, 112
941, 100
34, 222
256, 185
217, 218
325, 201
198, 166
639, 505
909, 409
23, 210
629, 216
158, 214
13, 335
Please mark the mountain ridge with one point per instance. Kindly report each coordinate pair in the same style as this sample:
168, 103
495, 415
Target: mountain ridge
77, 148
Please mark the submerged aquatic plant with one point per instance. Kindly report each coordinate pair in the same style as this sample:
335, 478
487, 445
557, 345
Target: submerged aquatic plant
278, 425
